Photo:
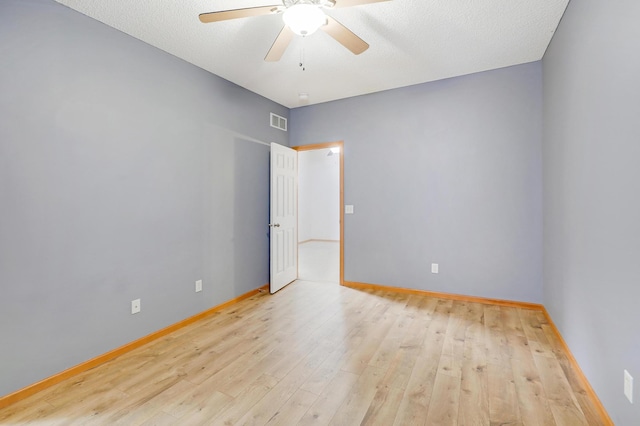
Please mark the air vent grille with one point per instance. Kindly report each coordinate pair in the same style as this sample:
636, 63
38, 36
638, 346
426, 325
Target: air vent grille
278, 122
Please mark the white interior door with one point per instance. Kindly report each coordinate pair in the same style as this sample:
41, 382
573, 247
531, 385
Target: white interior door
284, 220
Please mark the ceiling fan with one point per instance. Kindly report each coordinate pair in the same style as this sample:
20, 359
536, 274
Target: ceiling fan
301, 17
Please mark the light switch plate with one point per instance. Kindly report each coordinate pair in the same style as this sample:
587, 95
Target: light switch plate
434, 268
348, 209
198, 286
628, 386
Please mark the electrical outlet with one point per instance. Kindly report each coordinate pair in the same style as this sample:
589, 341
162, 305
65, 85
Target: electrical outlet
628, 386
434, 268
348, 209
135, 306
198, 286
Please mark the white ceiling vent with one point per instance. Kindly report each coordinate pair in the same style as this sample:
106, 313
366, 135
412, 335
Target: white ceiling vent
278, 122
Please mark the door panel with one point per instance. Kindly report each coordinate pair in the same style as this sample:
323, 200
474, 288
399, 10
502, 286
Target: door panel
283, 221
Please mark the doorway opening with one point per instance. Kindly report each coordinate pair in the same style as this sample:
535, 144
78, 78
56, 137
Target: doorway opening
320, 212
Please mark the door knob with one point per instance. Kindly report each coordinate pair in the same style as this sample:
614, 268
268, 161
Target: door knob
274, 225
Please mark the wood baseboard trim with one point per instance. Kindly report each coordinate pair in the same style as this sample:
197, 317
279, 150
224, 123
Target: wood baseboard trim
583, 379
451, 296
499, 302
34, 388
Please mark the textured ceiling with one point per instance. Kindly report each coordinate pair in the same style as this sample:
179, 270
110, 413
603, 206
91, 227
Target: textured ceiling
412, 41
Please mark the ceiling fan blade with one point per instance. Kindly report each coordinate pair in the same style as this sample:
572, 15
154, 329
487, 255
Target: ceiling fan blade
344, 36
279, 45
349, 3
225, 15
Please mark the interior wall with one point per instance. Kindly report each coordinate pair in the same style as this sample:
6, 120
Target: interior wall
318, 195
447, 172
125, 173
591, 186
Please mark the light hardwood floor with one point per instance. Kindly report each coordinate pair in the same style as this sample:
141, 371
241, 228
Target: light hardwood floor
319, 354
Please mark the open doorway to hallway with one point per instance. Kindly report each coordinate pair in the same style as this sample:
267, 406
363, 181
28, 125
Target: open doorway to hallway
319, 213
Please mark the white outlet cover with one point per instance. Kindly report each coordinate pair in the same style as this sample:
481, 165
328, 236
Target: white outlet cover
135, 306
348, 209
434, 268
198, 286
628, 386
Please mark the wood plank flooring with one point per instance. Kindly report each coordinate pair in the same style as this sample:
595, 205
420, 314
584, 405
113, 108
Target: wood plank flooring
321, 354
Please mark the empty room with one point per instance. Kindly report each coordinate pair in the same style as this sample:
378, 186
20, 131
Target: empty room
485, 228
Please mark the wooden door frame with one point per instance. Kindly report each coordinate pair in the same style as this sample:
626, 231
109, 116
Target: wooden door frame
325, 145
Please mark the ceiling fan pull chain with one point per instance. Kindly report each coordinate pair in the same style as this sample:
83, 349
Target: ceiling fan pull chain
302, 56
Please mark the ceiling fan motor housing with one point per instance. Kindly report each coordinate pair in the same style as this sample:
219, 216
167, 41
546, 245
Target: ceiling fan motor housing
320, 3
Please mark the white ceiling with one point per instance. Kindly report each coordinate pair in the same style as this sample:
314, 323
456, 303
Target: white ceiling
412, 41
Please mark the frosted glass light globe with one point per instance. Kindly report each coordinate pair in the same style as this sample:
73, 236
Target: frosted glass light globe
304, 19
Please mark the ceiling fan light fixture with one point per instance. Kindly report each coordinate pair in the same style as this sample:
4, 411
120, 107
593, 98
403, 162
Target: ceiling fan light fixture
304, 19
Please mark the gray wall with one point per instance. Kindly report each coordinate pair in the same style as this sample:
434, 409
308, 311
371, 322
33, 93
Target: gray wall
446, 172
121, 177
591, 175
